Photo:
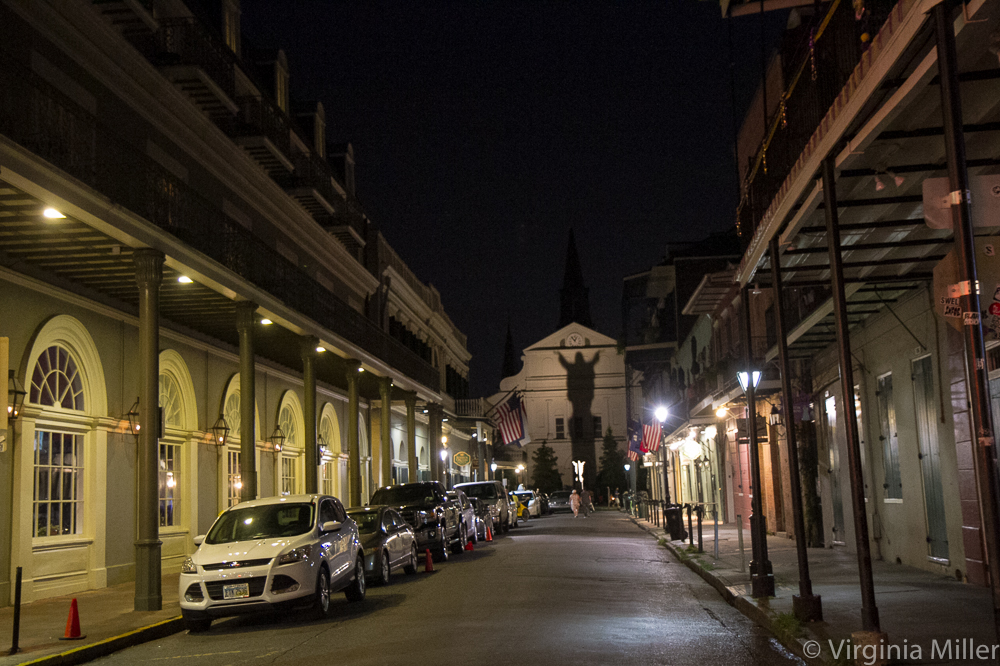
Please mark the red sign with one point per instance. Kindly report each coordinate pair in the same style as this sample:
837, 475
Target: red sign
995, 309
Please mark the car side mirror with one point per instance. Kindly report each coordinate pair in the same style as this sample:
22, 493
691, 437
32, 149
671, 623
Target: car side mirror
331, 526
200, 539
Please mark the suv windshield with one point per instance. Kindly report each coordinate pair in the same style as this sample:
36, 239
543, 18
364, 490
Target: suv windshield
368, 521
404, 495
261, 522
481, 490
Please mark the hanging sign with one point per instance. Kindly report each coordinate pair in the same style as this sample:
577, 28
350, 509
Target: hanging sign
461, 458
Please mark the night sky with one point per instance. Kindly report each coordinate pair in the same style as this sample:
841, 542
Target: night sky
483, 131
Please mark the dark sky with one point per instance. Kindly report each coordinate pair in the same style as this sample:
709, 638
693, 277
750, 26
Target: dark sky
484, 130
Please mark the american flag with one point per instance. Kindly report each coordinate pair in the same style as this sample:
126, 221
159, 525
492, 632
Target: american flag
634, 442
651, 435
510, 419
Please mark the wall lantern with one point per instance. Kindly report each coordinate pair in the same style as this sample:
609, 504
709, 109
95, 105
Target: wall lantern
444, 454
493, 467
775, 417
744, 379
15, 397
133, 418
220, 431
277, 438
324, 452
627, 467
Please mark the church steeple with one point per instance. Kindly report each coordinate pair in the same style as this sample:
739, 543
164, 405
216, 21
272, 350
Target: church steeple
510, 364
574, 298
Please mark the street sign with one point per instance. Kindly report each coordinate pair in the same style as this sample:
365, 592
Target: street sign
461, 458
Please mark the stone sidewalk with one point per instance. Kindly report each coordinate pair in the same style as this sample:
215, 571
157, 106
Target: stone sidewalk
106, 620
923, 613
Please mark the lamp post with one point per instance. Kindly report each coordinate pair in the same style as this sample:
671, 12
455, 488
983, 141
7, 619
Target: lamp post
444, 467
661, 414
761, 576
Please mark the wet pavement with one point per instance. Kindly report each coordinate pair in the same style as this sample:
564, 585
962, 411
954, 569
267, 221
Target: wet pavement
558, 590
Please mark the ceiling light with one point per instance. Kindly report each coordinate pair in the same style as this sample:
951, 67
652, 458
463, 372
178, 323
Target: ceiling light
361, 369
320, 349
53, 214
879, 185
266, 322
184, 279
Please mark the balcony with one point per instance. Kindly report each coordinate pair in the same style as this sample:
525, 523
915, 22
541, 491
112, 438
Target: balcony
817, 77
347, 225
470, 407
54, 128
311, 185
130, 17
262, 130
196, 62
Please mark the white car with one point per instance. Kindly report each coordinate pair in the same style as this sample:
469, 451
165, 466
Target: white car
274, 552
529, 500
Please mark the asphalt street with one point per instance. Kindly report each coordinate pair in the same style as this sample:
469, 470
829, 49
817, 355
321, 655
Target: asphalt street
559, 590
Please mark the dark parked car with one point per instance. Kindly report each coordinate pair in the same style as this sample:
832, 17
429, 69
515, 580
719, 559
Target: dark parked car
388, 540
425, 506
484, 519
544, 499
494, 495
559, 501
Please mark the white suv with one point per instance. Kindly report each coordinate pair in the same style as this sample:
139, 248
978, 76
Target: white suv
288, 551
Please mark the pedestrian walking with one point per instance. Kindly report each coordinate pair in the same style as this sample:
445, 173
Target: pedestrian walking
574, 503
585, 503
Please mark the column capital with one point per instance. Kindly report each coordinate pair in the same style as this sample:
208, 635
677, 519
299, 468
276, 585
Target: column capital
410, 398
148, 266
246, 314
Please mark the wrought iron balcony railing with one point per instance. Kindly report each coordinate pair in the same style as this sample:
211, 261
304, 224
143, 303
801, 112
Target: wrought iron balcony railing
46, 122
817, 66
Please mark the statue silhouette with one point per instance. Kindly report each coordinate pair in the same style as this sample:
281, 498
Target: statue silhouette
580, 380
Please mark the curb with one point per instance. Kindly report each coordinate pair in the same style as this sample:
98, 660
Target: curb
758, 615
103, 648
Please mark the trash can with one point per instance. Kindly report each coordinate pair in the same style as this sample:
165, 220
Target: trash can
673, 516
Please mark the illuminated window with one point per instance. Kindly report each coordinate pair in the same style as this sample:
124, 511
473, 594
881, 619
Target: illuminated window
170, 457
58, 498
235, 481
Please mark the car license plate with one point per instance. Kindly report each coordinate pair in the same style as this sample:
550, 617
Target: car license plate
236, 591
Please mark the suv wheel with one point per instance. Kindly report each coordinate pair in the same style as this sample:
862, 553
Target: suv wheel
356, 590
442, 549
321, 604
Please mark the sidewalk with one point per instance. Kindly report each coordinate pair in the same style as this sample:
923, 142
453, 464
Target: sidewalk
915, 607
106, 619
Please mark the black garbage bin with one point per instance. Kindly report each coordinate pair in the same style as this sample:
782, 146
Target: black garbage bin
674, 518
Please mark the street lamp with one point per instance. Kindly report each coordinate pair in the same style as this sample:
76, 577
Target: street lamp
745, 377
661, 413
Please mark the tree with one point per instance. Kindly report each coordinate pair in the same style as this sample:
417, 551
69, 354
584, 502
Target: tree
544, 474
612, 474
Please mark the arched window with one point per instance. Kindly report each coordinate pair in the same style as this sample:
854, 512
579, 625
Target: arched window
56, 381
231, 411
59, 460
291, 450
170, 453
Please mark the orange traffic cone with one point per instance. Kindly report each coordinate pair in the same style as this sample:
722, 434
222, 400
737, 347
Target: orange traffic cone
489, 533
73, 624
428, 562
469, 546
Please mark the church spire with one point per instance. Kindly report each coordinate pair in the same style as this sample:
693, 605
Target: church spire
574, 298
509, 368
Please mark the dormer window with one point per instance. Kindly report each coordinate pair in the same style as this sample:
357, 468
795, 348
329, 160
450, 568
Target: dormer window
281, 81
231, 24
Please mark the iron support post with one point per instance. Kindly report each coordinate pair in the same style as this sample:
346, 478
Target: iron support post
148, 276
309, 344
807, 606
984, 438
869, 611
385, 429
438, 467
245, 322
413, 470
353, 428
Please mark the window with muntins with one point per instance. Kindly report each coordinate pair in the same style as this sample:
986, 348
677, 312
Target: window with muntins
560, 428
235, 481
56, 380
170, 458
58, 500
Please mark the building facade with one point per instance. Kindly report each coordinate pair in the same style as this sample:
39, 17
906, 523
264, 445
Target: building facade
193, 299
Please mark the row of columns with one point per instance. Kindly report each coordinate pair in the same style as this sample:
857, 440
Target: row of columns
806, 605
149, 277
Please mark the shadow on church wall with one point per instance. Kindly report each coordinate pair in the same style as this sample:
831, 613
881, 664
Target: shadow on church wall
580, 381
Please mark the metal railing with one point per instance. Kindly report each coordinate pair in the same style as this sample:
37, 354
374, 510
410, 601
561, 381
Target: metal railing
260, 116
185, 41
815, 72
50, 125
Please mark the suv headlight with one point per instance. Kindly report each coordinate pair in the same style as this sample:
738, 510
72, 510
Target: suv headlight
189, 566
300, 554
